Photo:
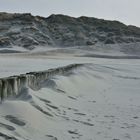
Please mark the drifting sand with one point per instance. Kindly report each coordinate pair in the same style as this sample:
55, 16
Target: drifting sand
99, 101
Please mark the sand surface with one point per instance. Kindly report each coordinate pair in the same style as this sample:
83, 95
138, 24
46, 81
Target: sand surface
99, 101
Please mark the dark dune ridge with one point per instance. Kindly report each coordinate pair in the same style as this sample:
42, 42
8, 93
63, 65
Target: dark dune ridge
28, 31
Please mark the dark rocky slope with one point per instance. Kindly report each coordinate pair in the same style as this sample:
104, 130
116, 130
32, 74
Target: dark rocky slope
25, 30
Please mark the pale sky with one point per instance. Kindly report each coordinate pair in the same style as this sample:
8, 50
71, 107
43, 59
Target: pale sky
126, 11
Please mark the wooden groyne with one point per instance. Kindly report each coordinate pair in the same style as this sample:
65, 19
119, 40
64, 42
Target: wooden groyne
14, 85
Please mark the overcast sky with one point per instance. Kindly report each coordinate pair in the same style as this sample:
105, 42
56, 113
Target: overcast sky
126, 11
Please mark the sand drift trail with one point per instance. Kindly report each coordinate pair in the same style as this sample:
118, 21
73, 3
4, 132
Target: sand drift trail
96, 101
